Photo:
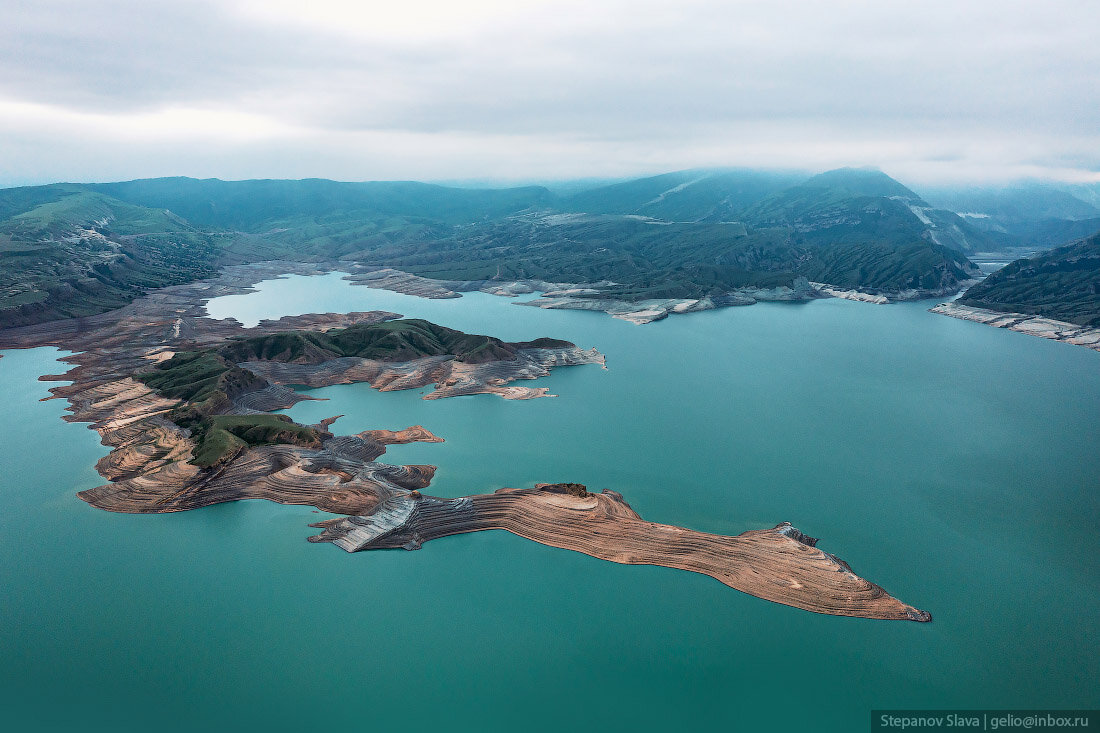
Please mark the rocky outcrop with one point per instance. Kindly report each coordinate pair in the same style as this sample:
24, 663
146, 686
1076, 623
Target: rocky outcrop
332, 478
856, 295
1047, 328
401, 282
415, 434
586, 296
881, 297
637, 312
646, 311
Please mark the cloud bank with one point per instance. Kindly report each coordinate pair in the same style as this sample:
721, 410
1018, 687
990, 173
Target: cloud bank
931, 91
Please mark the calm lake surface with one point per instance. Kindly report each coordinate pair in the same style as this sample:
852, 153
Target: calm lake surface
955, 464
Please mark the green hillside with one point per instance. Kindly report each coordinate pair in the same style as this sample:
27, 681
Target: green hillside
207, 380
257, 206
684, 196
66, 252
1063, 284
853, 205
850, 228
206, 384
398, 340
73, 249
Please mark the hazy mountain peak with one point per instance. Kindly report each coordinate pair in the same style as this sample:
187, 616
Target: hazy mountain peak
861, 182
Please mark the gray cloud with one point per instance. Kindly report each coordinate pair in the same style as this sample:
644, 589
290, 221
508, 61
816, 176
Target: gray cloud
937, 89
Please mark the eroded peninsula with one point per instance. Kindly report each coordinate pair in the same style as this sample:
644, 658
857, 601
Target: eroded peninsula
780, 564
185, 403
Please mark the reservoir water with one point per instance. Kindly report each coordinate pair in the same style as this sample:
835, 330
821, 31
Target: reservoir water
955, 464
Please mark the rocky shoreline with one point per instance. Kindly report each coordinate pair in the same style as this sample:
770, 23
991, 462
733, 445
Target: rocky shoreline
1047, 328
451, 378
150, 468
587, 296
571, 296
889, 296
239, 279
647, 311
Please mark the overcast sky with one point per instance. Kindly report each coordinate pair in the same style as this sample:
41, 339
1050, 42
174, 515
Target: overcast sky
935, 90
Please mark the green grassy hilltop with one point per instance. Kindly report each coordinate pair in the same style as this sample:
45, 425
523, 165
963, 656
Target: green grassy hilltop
207, 380
399, 340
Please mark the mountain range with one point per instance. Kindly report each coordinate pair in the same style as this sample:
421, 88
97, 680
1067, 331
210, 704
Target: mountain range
70, 250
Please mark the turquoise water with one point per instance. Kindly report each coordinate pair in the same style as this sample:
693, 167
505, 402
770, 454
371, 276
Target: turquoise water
955, 464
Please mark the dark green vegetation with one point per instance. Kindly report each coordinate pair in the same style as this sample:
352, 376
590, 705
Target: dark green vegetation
206, 383
202, 378
645, 259
1063, 284
401, 340
221, 438
66, 251
854, 229
207, 380
579, 490
72, 250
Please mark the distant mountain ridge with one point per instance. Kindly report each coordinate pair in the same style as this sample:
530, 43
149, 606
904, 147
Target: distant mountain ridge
75, 249
250, 205
683, 196
863, 205
1026, 216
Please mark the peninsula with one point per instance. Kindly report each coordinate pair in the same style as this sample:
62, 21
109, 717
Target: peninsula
184, 402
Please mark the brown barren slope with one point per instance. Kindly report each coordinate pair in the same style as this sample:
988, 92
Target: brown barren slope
779, 564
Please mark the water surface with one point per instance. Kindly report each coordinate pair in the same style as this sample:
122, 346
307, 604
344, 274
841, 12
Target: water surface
955, 464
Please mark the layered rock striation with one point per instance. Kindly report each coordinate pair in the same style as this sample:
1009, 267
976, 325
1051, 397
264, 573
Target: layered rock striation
779, 564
